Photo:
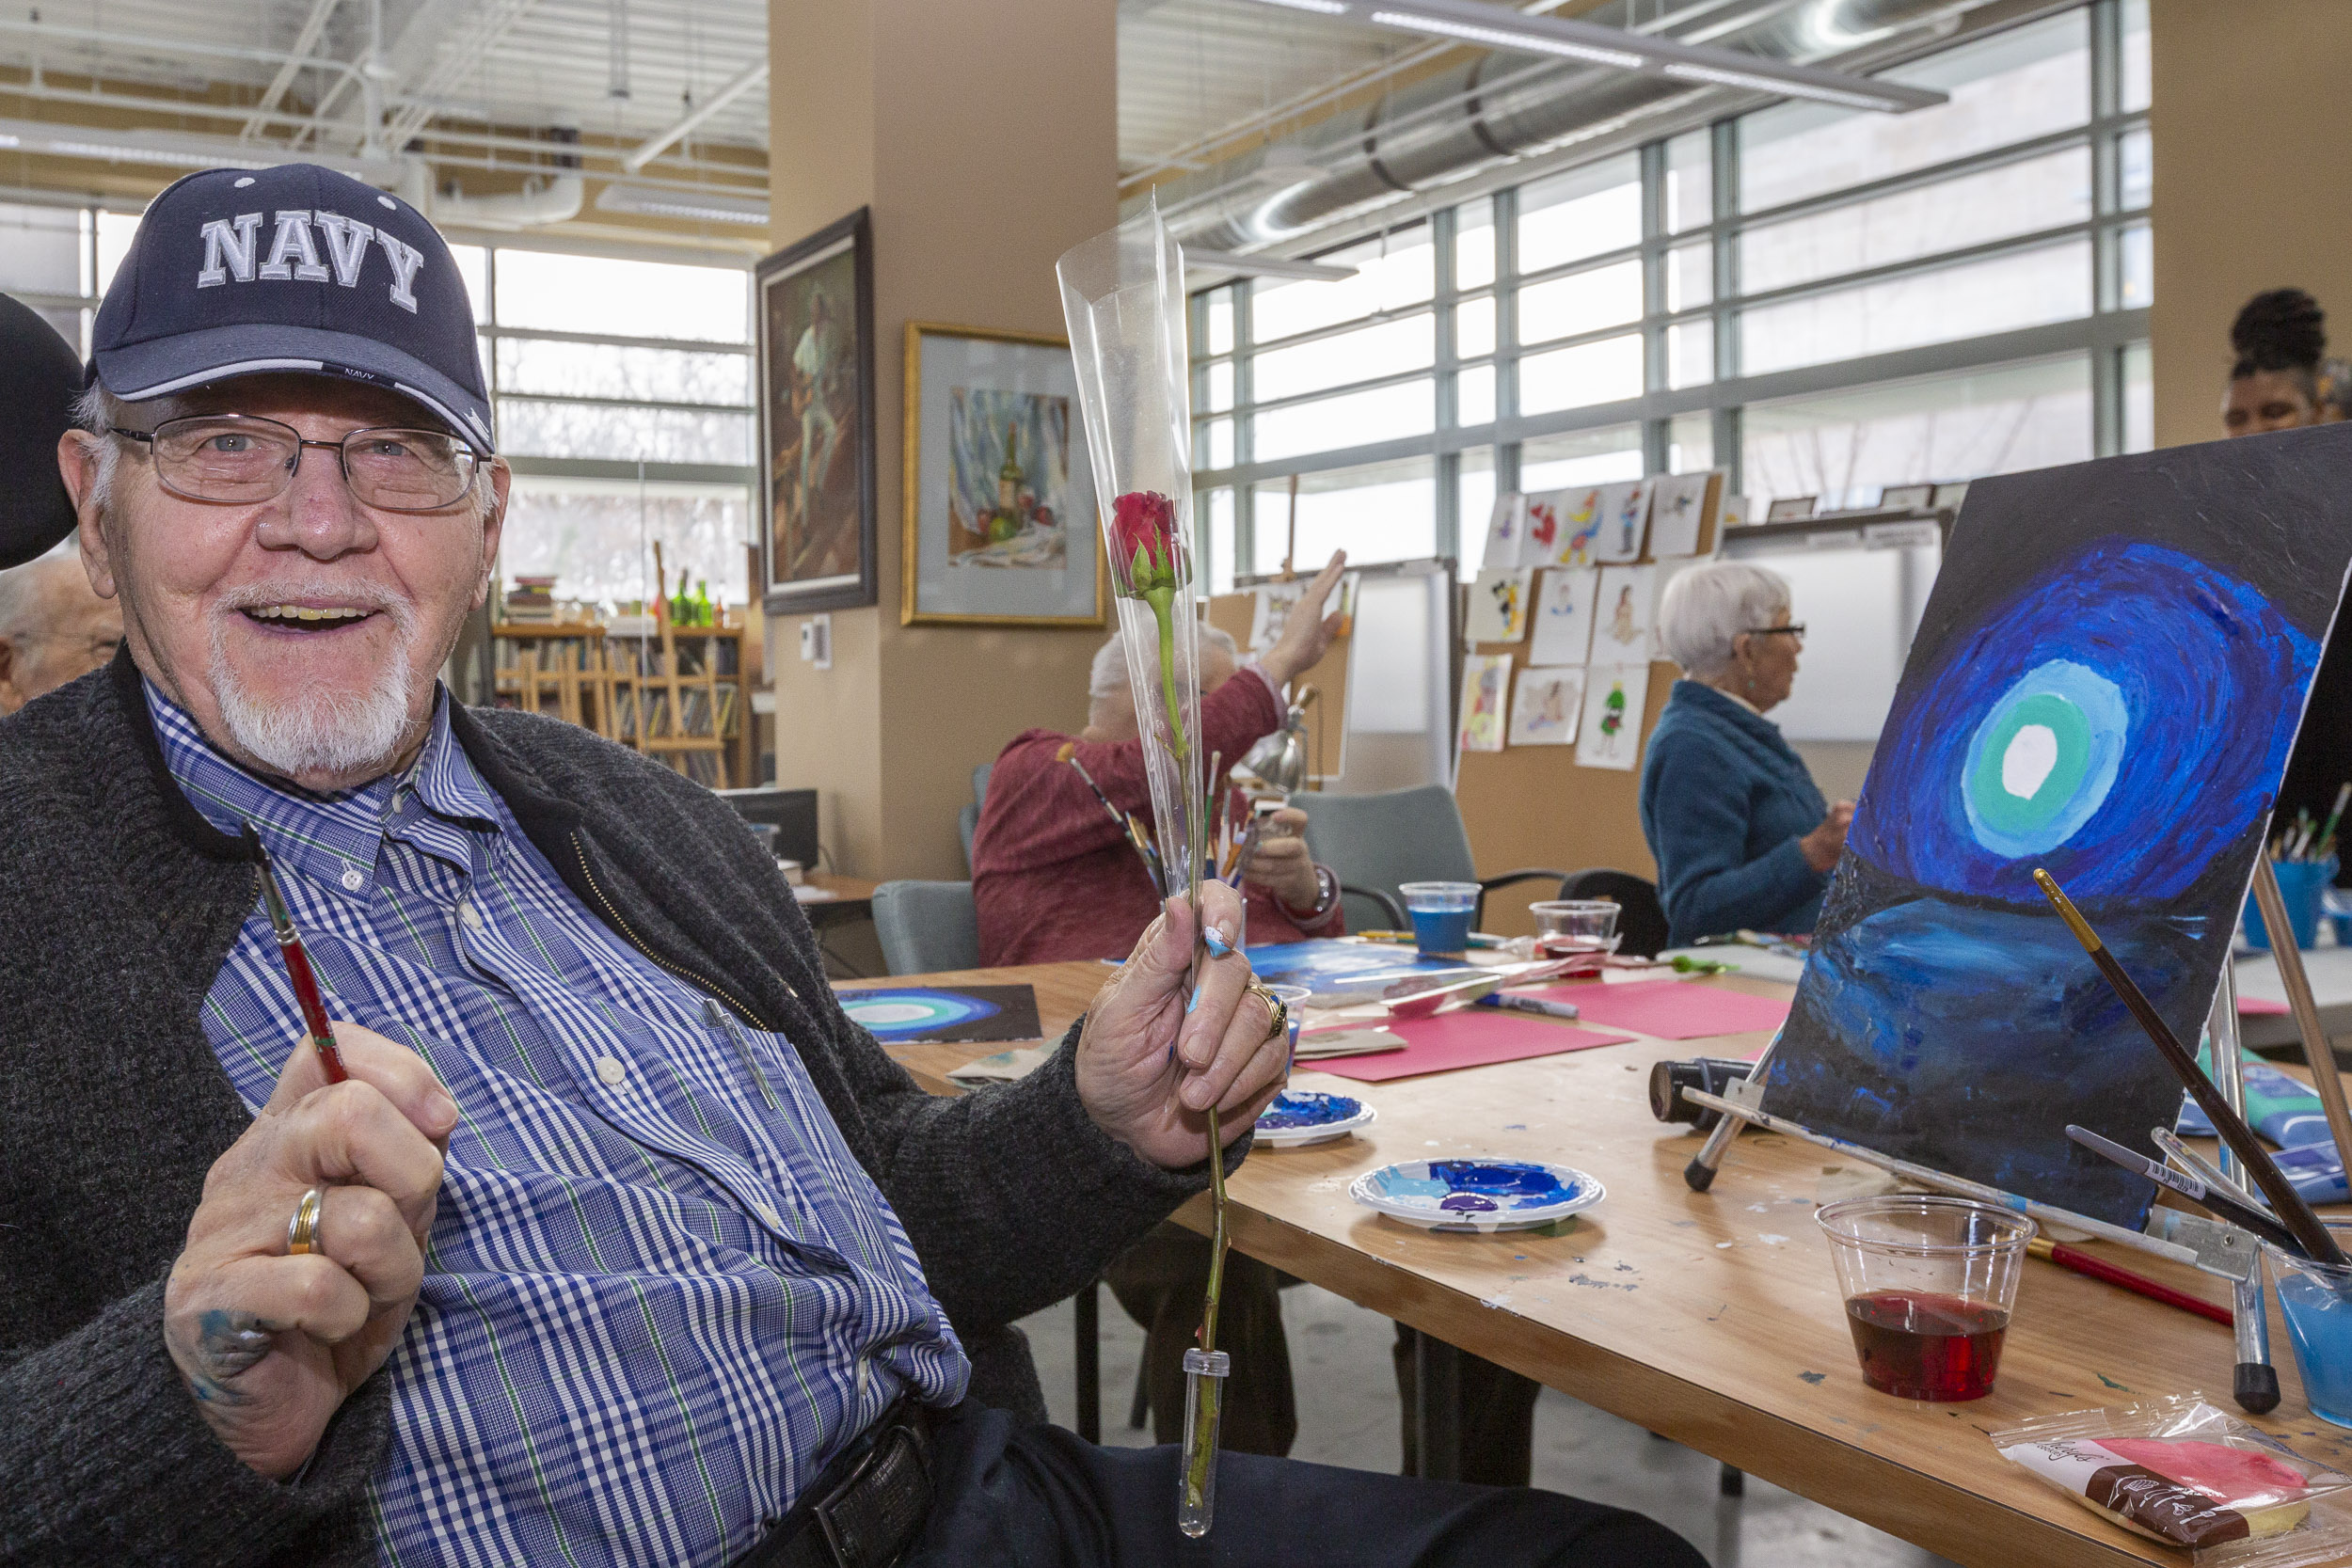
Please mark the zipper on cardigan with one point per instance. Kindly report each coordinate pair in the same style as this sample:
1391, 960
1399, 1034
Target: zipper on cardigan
580, 851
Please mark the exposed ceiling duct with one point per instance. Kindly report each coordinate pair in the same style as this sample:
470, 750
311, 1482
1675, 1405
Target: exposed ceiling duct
1462, 122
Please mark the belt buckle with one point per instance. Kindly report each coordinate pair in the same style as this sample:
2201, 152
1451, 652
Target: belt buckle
845, 1550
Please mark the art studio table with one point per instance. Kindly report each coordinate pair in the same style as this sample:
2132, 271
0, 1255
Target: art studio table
1714, 1319
2331, 972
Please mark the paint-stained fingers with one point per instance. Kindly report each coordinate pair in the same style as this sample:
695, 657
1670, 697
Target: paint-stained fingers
1246, 1021
311, 1294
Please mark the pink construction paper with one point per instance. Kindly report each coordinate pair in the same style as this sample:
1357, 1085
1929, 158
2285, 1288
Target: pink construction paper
1672, 1009
2256, 1006
1468, 1037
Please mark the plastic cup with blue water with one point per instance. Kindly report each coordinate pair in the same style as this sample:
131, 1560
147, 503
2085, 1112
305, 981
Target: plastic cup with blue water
1442, 916
2317, 1300
1293, 1000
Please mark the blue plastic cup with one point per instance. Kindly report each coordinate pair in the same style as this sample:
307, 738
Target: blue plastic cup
2303, 885
2317, 1299
1442, 916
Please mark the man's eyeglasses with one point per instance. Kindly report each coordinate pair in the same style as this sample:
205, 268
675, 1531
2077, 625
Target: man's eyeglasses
239, 459
1796, 631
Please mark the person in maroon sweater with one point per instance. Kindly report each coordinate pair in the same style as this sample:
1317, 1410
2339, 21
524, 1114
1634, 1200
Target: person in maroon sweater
1055, 878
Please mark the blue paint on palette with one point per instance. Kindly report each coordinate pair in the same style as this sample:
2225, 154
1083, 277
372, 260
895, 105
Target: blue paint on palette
1473, 1186
1296, 1108
2118, 719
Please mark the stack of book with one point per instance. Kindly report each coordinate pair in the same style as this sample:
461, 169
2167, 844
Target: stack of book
531, 598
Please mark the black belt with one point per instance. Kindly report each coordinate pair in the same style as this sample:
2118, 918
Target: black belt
868, 1506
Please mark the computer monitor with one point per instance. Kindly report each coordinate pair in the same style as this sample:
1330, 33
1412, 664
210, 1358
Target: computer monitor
791, 812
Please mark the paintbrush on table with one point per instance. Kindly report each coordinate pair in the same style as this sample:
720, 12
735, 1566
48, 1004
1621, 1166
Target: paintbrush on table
2210, 1198
2078, 1261
2308, 1235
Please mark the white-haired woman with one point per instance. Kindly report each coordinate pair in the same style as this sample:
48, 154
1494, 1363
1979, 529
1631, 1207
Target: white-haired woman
1743, 837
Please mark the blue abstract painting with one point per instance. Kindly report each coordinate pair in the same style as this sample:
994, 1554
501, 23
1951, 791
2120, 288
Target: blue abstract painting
2106, 683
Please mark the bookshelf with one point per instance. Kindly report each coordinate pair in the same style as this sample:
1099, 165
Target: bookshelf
672, 692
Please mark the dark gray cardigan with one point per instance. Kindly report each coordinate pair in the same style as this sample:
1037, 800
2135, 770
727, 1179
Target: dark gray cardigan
117, 904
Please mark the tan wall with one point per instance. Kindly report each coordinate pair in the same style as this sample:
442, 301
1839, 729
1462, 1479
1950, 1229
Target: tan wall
2252, 182
984, 137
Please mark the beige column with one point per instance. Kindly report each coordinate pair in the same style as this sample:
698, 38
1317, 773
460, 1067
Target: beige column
984, 139
2253, 182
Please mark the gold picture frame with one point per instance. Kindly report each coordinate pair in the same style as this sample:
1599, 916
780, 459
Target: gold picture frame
1009, 560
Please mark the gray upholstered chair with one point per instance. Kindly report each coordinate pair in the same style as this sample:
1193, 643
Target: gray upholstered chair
968, 819
1372, 843
926, 926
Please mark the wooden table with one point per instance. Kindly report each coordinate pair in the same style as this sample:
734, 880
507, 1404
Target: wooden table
2331, 972
1711, 1319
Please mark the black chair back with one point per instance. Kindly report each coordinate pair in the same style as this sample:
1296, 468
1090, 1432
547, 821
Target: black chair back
1641, 924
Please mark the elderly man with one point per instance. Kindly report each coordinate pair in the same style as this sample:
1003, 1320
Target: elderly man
619, 1244
1054, 876
53, 629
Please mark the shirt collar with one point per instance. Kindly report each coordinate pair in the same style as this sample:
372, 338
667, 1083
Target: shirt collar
331, 839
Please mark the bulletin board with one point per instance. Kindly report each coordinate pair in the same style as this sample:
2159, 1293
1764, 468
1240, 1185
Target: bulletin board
1534, 806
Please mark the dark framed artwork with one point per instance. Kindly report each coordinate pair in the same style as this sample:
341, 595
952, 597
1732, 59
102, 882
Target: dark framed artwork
1000, 526
814, 316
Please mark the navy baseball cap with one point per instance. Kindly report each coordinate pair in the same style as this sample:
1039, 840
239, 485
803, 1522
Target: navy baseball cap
238, 272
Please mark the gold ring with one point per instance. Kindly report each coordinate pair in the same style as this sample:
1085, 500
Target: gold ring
1276, 1008
302, 1230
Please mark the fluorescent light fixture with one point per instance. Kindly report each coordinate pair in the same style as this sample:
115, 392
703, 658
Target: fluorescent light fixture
1686, 71
1266, 267
173, 148
655, 201
1505, 38
1505, 26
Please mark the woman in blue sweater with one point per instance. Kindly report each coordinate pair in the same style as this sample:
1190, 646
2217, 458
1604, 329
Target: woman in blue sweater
1742, 836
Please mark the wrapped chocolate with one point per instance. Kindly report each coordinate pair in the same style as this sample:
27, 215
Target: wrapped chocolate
2188, 1474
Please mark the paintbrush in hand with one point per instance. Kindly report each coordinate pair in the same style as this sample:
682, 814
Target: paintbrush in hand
2308, 1233
306, 985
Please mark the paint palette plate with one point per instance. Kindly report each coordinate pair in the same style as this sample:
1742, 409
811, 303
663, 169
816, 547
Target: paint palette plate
1483, 1195
1300, 1116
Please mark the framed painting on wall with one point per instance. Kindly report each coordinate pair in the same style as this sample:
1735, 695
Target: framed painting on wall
1000, 525
814, 321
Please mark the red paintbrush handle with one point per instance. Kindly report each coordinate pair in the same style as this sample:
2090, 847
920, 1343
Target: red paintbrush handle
2097, 1268
306, 990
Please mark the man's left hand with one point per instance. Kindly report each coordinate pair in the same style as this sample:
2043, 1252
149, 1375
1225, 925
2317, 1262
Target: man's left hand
1281, 866
1151, 1061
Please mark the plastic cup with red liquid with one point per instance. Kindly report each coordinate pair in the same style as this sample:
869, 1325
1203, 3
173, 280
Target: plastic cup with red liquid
1929, 1283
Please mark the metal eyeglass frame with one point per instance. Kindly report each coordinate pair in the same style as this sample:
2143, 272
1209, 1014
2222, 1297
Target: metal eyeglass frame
472, 464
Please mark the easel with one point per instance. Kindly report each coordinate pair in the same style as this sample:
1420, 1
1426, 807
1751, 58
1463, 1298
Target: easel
2221, 1250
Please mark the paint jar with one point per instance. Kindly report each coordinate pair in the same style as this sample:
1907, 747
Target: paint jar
1930, 1282
1204, 1402
1293, 1000
2317, 1300
2303, 885
1442, 916
1566, 925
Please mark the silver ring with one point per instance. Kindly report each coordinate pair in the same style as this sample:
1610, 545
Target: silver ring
302, 1227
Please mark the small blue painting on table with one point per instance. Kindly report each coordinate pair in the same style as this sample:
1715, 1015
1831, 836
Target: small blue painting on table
2107, 682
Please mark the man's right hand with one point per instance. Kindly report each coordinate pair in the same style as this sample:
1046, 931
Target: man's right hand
271, 1345
1306, 635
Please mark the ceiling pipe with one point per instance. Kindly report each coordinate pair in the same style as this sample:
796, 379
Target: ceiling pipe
1495, 110
556, 199
729, 90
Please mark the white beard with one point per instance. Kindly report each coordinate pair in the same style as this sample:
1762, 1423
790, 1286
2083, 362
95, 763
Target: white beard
320, 731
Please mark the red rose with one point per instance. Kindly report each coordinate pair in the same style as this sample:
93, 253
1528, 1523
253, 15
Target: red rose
1145, 520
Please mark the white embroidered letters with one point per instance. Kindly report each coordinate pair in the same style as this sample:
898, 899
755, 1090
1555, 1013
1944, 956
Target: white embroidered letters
347, 245
293, 244
406, 259
228, 249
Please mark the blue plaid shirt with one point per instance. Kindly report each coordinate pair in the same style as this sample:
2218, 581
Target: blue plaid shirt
660, 1292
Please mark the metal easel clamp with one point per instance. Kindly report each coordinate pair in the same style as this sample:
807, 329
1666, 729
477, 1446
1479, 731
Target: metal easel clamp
1747, 1093
2221, 1249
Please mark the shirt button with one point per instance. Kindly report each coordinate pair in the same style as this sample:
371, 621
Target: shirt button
354, 879
611, 1070
864, 1375
768, 1214
468, 915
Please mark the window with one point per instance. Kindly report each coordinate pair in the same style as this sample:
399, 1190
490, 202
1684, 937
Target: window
1819, 300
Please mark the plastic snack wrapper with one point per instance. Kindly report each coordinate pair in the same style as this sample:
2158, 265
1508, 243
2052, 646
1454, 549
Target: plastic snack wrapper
2187, 1473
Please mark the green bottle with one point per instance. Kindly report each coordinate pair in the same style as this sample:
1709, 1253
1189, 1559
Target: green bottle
702, 601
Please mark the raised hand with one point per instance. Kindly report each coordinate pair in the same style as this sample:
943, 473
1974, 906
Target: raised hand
1306, 635
271, 1345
